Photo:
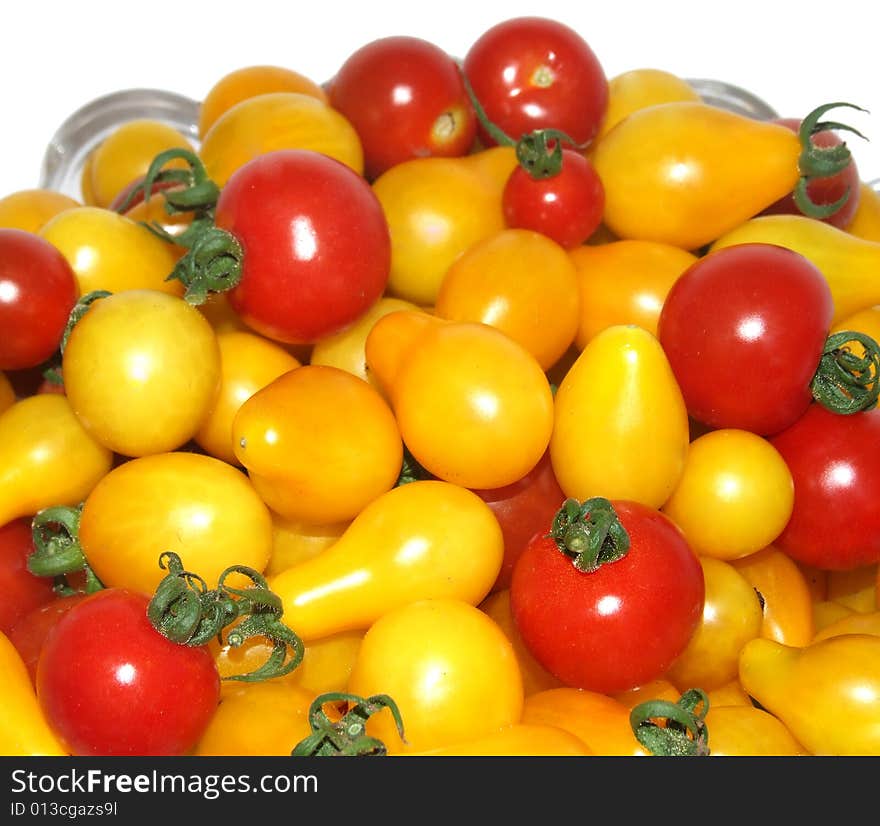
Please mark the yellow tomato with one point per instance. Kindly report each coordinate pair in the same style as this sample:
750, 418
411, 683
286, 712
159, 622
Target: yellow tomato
855, 622
746, 731
659, 689
30, 209
521, 282
436, 208
865, 321
141, 369
856, 588
309, 461
621, 427
624, 282
277, 120
422, 540
250, 81
729, 694
735, 495
494, 163
449, 668
731, 617
519, 739
294, 542
199, 507
108, 251
47, 457
827, 612
866, 221
474, 407
248, 362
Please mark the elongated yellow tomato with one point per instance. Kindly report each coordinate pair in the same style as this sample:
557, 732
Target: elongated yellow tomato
141, 369
849, 263
735, 495
827, 693
24, 731
436, 208
519, 739
296, 438
474, 407
621, 427
448, 667
248, 362
277, 120
494, 163
685, 172
521, 282
294, 542
853, 623
785, 595
47, 457
30, 209
746, 731
731, 617
729, 694
108, 251
203, 509
866, 221
425, 539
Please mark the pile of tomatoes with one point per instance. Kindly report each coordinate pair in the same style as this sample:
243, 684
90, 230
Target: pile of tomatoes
485, 399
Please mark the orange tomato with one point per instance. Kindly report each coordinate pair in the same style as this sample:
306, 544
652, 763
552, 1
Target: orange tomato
30, 209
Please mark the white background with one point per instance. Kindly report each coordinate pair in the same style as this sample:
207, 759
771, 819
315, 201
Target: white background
57, 56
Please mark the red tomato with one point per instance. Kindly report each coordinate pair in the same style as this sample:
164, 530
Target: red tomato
523, 509
566, 207
406, 99
835, 464
744, 328
110, 684
620, 625
315, 243
21, 590
37, 292
533, 73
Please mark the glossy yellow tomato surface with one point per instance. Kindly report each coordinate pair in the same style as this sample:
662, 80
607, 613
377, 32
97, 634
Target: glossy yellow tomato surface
747, 731
421, 540
464, 684
624, 282
735, 495
517, 740
248, 362
318, 443
621, 428
142, 370
866, 221
30, 209
199, 507
108, 251
521, 282
277, 120
729, 694
47, 457
294, 542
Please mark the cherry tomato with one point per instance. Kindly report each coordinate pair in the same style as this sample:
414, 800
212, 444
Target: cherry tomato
744, 332
110, 684
29, 209
22, 591
406, 99
532, 73
37, 292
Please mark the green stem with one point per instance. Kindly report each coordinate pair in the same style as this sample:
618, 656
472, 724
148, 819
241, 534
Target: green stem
845, 382
684, 733
57, 549
590, 533
79, 310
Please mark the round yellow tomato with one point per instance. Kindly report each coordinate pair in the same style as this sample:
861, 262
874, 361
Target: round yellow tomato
520, 739
199, 507
318, 443
141, 369
30, 209
521, 282
449, 668
735, 495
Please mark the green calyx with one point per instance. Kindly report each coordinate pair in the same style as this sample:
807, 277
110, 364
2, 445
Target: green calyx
186, 611
590, 533
845, 381
684, 732
347, 737
821, 161
57, 550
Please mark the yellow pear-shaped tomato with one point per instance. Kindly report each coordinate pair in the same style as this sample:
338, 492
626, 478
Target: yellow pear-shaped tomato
318, 443
30, 209
522, 283
474, 407
746, 731
685, 172
248, 362
849, 263
517, 740
448, 667
866, 221
294, 542
729, 694
624, 282
24, 731
494, 163
826, 693
141, 369
47, 457
621, 427
109, 251
277, 120
424, 539
436, 208
201, 508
